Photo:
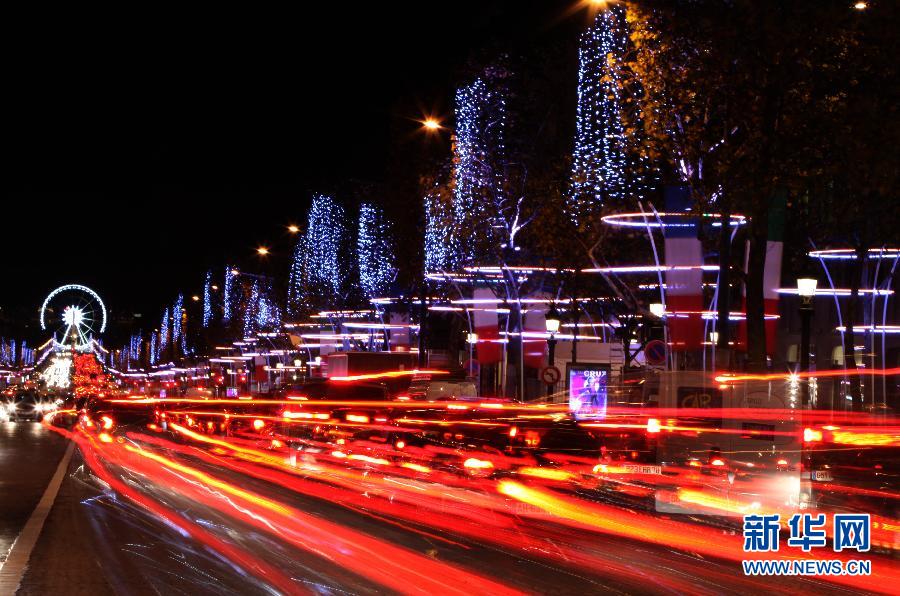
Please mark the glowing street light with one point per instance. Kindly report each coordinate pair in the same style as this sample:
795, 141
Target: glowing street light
806, 287
431, 124
551, 324
293, 229
195, 298
262, 251
861, 5
657, 310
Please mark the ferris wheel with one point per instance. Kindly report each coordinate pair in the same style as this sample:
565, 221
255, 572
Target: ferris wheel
75, 314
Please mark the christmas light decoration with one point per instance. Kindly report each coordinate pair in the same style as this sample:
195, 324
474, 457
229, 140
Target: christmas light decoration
268, 314
177, 332
154, 347
478, 147
227, 297
58, 373
207, 299
438, 231
318, 272
88, 376
606, 169
374, 253
164, 333
134, 347
250, 310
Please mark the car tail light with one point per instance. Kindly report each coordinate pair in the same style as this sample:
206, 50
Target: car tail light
811, 435
513, 431
782, 462
717, 462
653, 426
358, 418
107, 422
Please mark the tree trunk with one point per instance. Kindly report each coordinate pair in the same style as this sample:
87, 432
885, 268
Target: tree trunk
756, 265
850, 316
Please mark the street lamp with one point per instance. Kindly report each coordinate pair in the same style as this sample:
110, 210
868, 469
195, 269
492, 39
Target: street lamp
551, 323
806, 289
658, 310
471, 339
293, 229
262, 251
431, 124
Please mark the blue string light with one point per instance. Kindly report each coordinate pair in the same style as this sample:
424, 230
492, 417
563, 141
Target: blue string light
154, 347
478, 147
323, 275
374, 254
438, 231
207, 299
227, 294
164, 332
603, 169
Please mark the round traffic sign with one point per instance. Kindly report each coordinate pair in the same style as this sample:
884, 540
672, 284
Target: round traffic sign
550, 375
655, 352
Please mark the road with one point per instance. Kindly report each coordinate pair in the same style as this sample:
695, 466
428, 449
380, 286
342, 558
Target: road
192, 520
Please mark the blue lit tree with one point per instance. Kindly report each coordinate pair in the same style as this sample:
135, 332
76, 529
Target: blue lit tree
154, 347
608, 168
375, 255
207, 299
163, 336
318, 271
439, 220
228, 298
478, 153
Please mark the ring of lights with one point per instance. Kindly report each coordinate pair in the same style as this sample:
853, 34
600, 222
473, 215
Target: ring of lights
658, 220
75, 316
847, 254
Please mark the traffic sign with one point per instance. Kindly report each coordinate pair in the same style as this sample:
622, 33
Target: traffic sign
550, 375
655, 352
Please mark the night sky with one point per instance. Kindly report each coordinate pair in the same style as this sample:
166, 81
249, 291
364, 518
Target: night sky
143, 148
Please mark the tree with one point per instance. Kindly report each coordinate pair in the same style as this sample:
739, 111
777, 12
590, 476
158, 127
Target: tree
375, 255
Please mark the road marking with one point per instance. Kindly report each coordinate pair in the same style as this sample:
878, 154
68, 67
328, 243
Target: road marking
13, 569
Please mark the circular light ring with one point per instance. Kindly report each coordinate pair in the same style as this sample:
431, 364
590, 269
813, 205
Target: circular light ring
658, 220
840, 292
524, 300
456, 277
651, 268
376, 325
848, 254
871, 329
76, 287
497, 270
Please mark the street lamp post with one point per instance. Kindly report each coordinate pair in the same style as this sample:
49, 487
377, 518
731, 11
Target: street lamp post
551, 322
806, 289
471, 339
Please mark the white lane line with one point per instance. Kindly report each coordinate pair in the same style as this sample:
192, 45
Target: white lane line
13, 569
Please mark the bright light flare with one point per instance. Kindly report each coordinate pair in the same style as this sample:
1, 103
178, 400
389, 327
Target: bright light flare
431, 124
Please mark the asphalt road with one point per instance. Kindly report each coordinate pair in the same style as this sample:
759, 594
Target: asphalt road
29, 455
97, 542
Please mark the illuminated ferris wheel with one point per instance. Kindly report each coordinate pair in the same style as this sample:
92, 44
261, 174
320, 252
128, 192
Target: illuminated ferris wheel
75, 315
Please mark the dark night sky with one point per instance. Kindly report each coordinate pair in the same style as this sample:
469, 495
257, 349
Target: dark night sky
144, 147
